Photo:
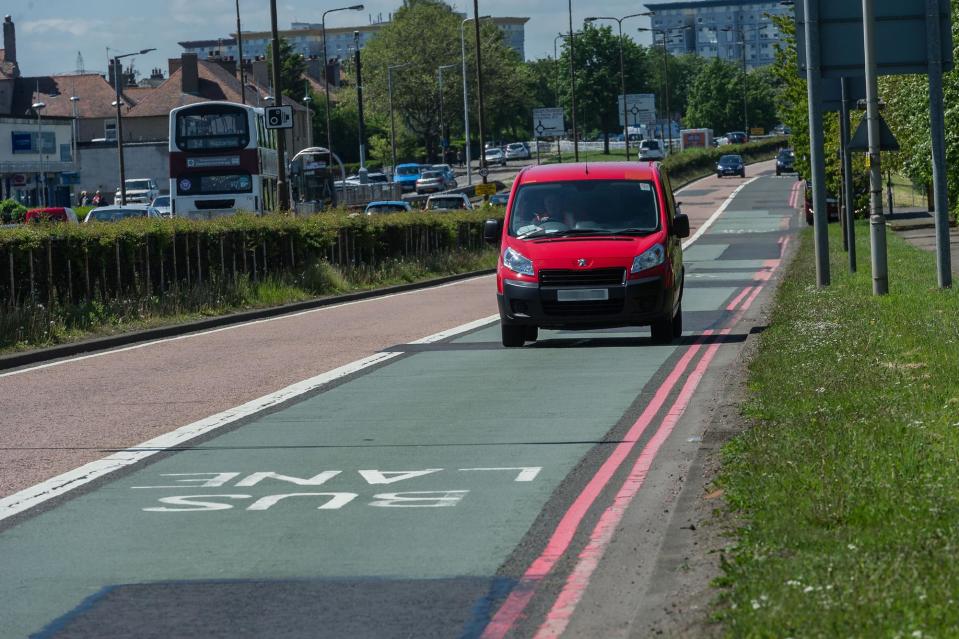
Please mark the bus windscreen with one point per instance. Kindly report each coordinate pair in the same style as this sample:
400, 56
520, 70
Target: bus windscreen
220, 129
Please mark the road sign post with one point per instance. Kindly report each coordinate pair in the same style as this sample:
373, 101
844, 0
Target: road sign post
816, 145
280, 117
877, 221
848, 195
548, 123
938, 130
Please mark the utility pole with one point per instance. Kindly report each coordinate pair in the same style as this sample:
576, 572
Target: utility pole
572, 83
479, 91
359, 99
239, 46
877, 220
281, 185
938, 130
816, 143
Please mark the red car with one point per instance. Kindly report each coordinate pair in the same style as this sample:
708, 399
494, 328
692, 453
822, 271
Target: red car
832, 206
52, 214
590, 247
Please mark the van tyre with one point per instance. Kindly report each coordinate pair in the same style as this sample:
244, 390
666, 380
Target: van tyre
514, 335
678, 322
532, 333
666, 329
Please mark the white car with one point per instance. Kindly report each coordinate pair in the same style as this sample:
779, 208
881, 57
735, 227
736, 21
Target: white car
651, 150
518, 151
449, 202
115, 213
495, 156
162, 206
139, 191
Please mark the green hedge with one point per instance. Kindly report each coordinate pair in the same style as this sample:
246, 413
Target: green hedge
12, 212
67, 264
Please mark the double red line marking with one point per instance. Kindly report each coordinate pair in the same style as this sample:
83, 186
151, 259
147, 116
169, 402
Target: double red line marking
563, 608
794, 195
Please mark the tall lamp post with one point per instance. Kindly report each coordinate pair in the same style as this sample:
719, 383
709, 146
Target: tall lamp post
389, 92
466, 103
572, 83
559, 144
479, 90
117, 82
444, 139
308, 100
75, 105
326, 70
742, 45
669, 119
622, 68
239, 45
39, 106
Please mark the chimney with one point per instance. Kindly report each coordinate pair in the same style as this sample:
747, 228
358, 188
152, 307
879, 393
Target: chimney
189, 74
9, 40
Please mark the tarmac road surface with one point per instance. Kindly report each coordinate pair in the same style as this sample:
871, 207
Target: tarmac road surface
378, 469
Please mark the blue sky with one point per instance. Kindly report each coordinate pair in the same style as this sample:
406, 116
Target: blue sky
51, 32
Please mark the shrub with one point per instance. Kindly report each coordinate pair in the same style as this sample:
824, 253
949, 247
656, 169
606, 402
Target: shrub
12, 212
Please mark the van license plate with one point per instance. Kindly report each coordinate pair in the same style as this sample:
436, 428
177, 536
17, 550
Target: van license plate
583, 295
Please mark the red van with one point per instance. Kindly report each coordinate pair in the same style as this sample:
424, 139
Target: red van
585, 247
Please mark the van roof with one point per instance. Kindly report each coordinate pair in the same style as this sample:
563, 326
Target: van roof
596, 171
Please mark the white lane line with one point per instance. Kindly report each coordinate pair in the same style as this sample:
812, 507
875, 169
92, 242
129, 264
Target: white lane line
61, 484
80, 358
715, 216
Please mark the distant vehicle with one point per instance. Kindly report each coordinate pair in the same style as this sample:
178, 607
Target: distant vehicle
832, 206
55, 214
446, 169
139, 191
695, 139
222, 160
449, 202
499, 199
388, 206
162, 206
651, 150
785, 161
737, 137
495, 156
782, 129
116, 213
371, 178
434, 182
406, 176
731, 165
518, 151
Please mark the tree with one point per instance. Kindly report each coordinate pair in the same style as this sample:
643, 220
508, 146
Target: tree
292, 68
715, 98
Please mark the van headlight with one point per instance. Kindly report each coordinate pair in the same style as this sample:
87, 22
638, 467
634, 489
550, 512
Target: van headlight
517, 262
653, 257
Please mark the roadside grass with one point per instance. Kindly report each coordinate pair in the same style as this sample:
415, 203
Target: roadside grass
905, 194
847, 483
39, 325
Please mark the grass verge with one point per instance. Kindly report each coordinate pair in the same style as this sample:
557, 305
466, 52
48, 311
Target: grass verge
848, 481
38, 325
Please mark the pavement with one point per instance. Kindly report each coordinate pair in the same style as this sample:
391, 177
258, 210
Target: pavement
380, 469
918, 227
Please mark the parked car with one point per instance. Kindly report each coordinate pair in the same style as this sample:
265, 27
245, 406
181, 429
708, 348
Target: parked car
162, 206
55, 214
116, 213
518, 151
495, 156
731, 165
433, 182
449, 202
785, 161
388, 206
782, 129
371, 178
832, 206
499, 199
139, 190
651, 150
587, 281
737, 137
406, 176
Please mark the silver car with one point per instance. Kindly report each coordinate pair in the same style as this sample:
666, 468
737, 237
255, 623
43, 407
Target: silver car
495, 156
518, 151
434, 182
162, 206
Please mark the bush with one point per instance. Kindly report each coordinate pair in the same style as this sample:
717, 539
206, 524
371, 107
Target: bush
12, 212
693, 163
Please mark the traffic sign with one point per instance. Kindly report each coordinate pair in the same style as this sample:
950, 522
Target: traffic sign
640, 107
900, 27
548, 123
280, 117
484, 172
486, 189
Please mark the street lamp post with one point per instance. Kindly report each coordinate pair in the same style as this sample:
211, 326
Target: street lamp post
742, 45
117, 81
466, 103
239, 45
622, 68
572, 83
359, 103
389, 91
479, 90
444, 139
669, 120
41, 178
308, 100
326, 71
74, 103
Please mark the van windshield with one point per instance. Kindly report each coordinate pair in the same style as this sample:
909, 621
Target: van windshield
588, 207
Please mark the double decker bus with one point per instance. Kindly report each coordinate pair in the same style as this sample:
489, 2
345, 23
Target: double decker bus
223, 160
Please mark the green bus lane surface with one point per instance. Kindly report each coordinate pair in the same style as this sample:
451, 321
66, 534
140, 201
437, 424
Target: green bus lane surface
424, 476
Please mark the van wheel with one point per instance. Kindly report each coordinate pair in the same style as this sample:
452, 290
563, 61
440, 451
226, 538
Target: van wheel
678, 322
532, 333
514, 335
662, 330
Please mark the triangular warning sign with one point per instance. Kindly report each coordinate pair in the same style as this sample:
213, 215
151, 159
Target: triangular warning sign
887, 140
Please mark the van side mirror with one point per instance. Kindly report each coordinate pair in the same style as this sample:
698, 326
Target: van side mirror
681, 226
492, 231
